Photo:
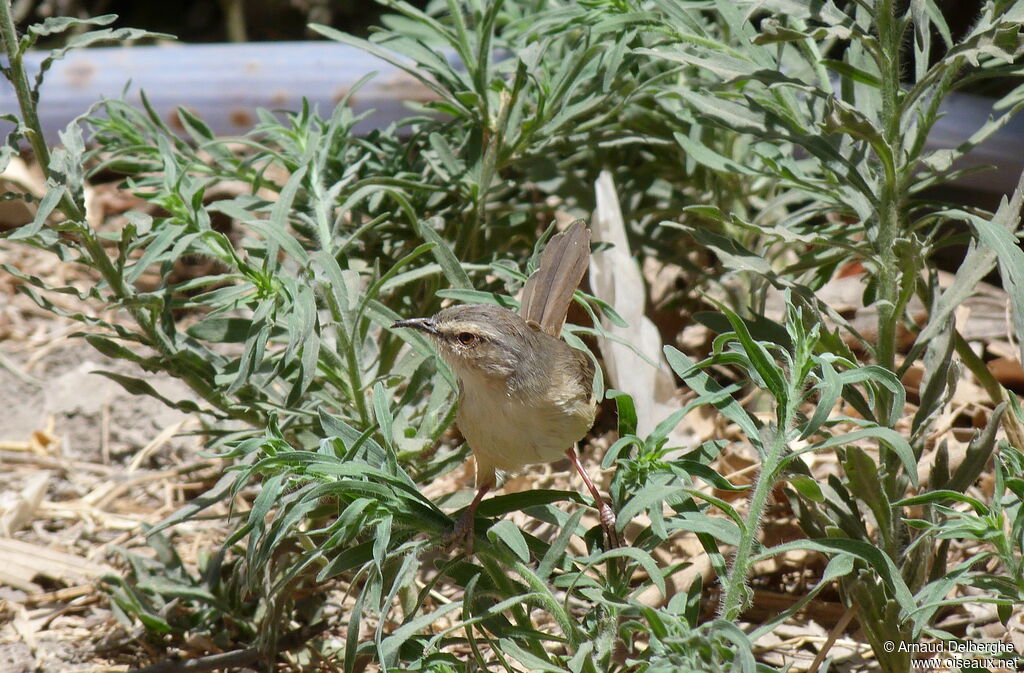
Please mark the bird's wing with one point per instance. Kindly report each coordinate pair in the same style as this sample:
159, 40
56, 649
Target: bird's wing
548, 292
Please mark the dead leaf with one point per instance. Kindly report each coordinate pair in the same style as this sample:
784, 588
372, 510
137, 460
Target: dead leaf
615, 277
22, 562
21, 508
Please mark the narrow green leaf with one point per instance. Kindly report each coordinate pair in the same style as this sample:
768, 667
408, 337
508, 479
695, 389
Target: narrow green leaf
514, 502
807, 487
708, 157
626, 411
978, 452
829, 390
864, 482
642, 557
725, 532
869, 554
112, 349
221, 330
888, 437
442, 252
352, 639
529, 660
556, 550
135, 386
998, 234
382, 411
943, 496
389, 647
704, 385
761, 360
508, 533
479, 297
854, 73
45, 208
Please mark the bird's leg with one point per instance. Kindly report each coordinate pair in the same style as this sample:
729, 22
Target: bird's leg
464, 528
604, 510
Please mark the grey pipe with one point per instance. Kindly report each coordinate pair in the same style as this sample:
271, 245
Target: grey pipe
224, 84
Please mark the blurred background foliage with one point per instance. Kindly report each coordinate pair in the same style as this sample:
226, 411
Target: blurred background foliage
215, 20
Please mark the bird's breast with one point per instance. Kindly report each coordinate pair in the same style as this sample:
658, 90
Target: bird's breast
511, 428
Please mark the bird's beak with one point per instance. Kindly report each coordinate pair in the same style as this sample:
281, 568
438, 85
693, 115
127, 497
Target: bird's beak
422, 324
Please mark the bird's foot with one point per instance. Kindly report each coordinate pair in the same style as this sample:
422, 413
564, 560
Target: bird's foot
607, 516
465, 528
463, 534
604, 510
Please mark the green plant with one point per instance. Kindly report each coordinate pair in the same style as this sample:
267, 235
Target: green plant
168, 599
286, 344
998, 525
857, 90
309, 395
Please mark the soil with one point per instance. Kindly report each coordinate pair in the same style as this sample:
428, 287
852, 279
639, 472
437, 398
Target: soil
88, 451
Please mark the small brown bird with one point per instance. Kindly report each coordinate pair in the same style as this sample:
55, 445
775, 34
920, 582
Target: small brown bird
525, 396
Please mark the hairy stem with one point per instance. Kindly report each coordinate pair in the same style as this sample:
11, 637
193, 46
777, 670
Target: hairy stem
94, 250
735, 597
32, 128
890, 198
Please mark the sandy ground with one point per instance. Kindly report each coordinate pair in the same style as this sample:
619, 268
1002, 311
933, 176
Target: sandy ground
78, 456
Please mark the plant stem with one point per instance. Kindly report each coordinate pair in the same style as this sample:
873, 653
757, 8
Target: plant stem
19, 78
734, 598
75, 212
31, 126
890, 197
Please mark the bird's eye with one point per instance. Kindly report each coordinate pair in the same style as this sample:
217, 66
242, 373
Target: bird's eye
466, 338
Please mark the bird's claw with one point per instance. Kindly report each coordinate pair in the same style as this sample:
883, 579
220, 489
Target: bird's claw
608, 524
462, 534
